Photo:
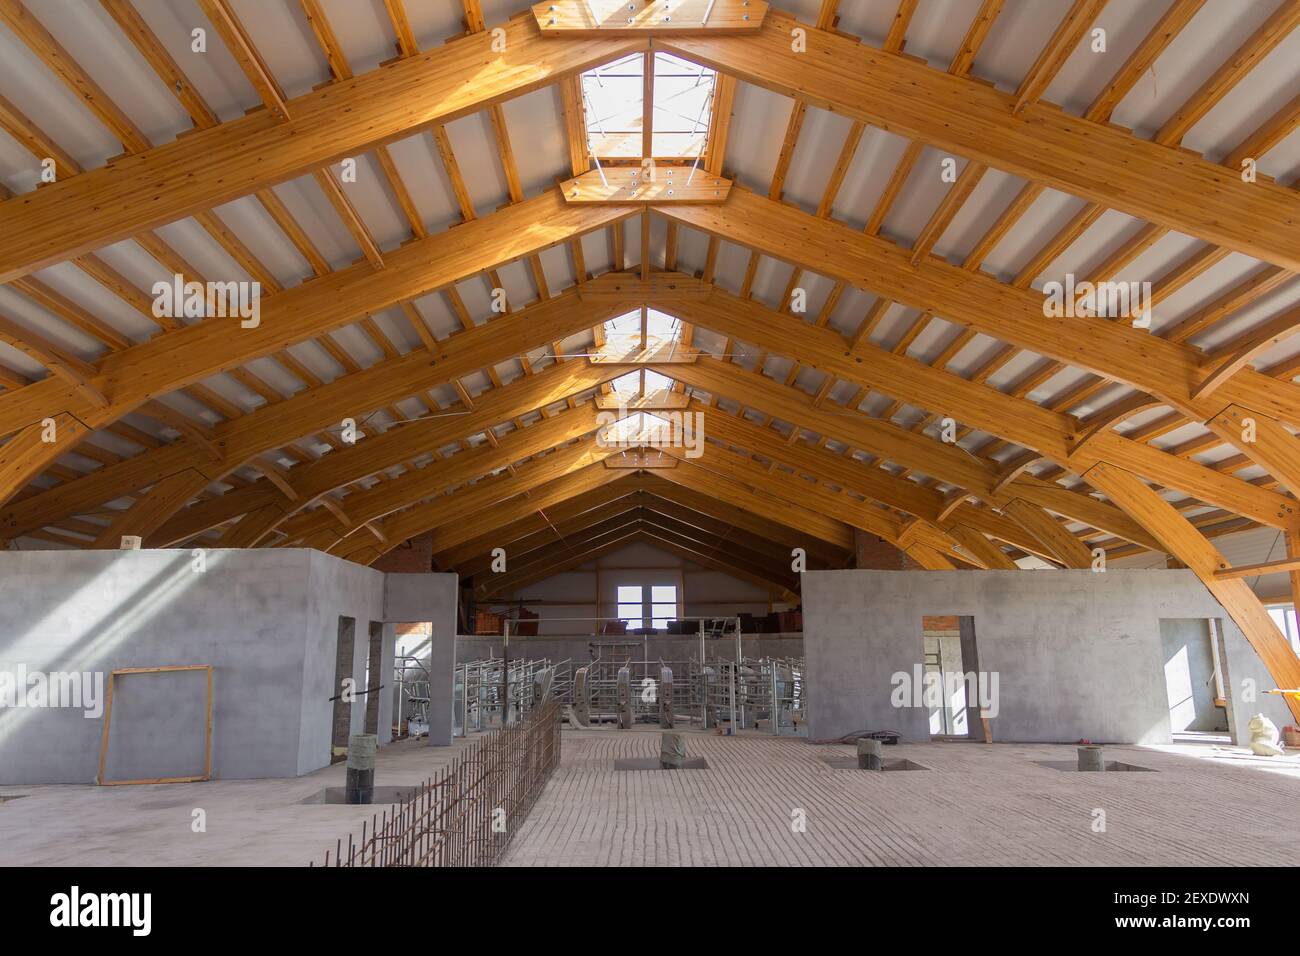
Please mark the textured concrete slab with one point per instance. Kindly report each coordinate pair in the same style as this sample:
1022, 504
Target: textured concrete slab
980, 805
652, 763
267, 623
249, 822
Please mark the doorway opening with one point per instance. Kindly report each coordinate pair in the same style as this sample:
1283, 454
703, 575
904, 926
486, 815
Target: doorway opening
952, 691
374, 678
1196, 676
342, 721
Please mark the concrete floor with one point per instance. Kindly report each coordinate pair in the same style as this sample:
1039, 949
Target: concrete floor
249, 822
977, 804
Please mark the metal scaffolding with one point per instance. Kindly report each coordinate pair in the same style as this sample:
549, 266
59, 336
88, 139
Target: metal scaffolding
623, 685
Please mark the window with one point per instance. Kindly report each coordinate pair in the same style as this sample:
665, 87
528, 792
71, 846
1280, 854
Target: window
644, 382
612, 100
683, 95
613, 97
630, 608
1285, 619
663, 605
627, 332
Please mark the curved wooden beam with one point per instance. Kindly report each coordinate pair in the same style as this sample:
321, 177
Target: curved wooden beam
551, 478
928, 558
276, 474
1181, 539
145, 516
923, 534
1275, 448
1114, 350
1220, 366
214, 166
748, 321
419, 484
30, 451
343, 466
170, 361
201, 435
1013, 469
354, 395
1110, 416
951, 503
250, 530
982, 548
1069, 550
1090, 159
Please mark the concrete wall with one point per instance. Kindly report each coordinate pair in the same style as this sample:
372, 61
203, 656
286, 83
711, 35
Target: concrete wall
266, 620
1077, 654
1189, 675
429, 597
567, 601
334, 589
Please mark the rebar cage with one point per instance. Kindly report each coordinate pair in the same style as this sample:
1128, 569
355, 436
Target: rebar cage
467, 814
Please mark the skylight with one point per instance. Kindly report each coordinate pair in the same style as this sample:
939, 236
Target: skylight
646, 380
682, 100
637, 428
629, 384
624, 331
654, 382
614, 102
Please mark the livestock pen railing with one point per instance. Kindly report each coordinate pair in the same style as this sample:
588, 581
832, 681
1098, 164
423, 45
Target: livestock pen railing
466, 814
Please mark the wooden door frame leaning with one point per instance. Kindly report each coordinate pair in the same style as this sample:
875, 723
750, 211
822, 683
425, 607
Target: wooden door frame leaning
108, 721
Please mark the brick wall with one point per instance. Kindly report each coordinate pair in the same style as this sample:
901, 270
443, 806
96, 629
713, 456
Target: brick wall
934, 623
409, 557
877, 554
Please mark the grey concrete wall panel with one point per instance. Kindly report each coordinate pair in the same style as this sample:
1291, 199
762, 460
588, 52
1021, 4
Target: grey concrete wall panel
265, 619
1077, 653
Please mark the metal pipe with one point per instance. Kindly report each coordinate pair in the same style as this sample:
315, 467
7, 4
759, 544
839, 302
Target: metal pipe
713, 82
505, 672
734, 674
704, 682
600, 126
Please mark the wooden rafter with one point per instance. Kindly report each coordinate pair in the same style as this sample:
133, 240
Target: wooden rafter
1184, 542
794, 484
353, 396
1075, 155
237, 158
189, 354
